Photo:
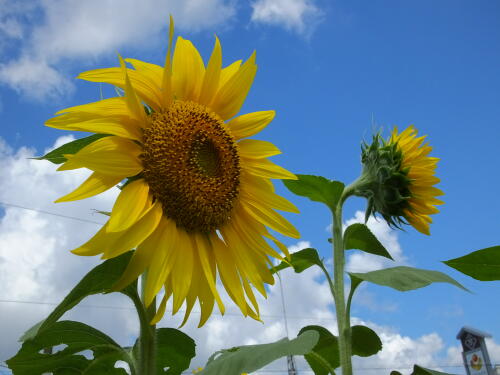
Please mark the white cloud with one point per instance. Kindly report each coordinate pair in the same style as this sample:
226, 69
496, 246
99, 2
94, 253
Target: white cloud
35, 79
73, 29
301, 16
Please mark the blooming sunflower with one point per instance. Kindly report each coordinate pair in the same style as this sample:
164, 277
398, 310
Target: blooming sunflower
398, 178
197, 198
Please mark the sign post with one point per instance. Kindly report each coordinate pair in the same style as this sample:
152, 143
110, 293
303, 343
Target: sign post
475, 354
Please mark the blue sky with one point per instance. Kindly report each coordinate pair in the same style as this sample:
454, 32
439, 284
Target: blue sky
335, 71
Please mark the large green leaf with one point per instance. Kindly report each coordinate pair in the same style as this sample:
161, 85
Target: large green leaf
175, 351
417, 370
250, 358
56, 156
316, 188
300, 261
99, 280
406, 278
359, 236
77, 337
483, 265
324, 357
365, 342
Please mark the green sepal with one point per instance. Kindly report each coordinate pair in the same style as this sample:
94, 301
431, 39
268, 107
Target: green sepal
417, 370
324, 357
175, 350
77, 337
365, 342
250, 358
482, 265
359, 236
300, 261
99, 280
404, 278
316, 188
56, 156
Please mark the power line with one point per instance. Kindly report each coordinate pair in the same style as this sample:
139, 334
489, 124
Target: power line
50, 213
297, 317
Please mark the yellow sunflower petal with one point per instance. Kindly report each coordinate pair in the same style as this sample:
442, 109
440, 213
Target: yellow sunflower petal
204, 249
418, 222
267, 169
166, 82
145, 89
250, 124
182, 271
133, 102
212, 75
194, 290
84, 122
141, 259
228, 72
136, 234
152, 71
95, 184
166, 245
98, 243
109, 155
187, 71
271, 219
207, 300
231, 96
255, 149
257, 195
131, 205
228, 273
161, 310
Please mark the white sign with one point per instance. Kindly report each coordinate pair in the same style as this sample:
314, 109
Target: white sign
476, 362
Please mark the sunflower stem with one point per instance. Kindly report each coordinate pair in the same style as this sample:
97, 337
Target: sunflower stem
147, 338
343, 320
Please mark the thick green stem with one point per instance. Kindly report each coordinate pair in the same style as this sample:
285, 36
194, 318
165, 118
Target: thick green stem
343, 320
147, 338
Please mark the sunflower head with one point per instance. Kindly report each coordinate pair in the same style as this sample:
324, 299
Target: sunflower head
398, 178
198, 200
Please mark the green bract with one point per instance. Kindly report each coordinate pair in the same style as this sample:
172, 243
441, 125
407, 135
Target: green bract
383, 181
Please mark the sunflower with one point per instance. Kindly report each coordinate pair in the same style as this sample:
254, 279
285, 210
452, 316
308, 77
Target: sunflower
398, 178
197, 198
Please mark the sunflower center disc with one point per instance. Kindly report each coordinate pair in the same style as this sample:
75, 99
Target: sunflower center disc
191, 165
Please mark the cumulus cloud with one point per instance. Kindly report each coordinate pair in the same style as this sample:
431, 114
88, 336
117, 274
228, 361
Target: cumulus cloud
301, 16
72, 29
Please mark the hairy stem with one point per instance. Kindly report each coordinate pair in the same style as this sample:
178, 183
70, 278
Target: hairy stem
343, 320
147, 338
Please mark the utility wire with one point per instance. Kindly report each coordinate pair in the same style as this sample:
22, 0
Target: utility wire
50, 213
296, 317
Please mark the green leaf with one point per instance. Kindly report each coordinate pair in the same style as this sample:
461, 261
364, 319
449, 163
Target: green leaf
77, 337
417, 370
394, 372
175, 351
99, 280
365, 342
316, 188
406, 278
56, 156
324, 357
250, 358
358, 236
300, 261
483, 265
